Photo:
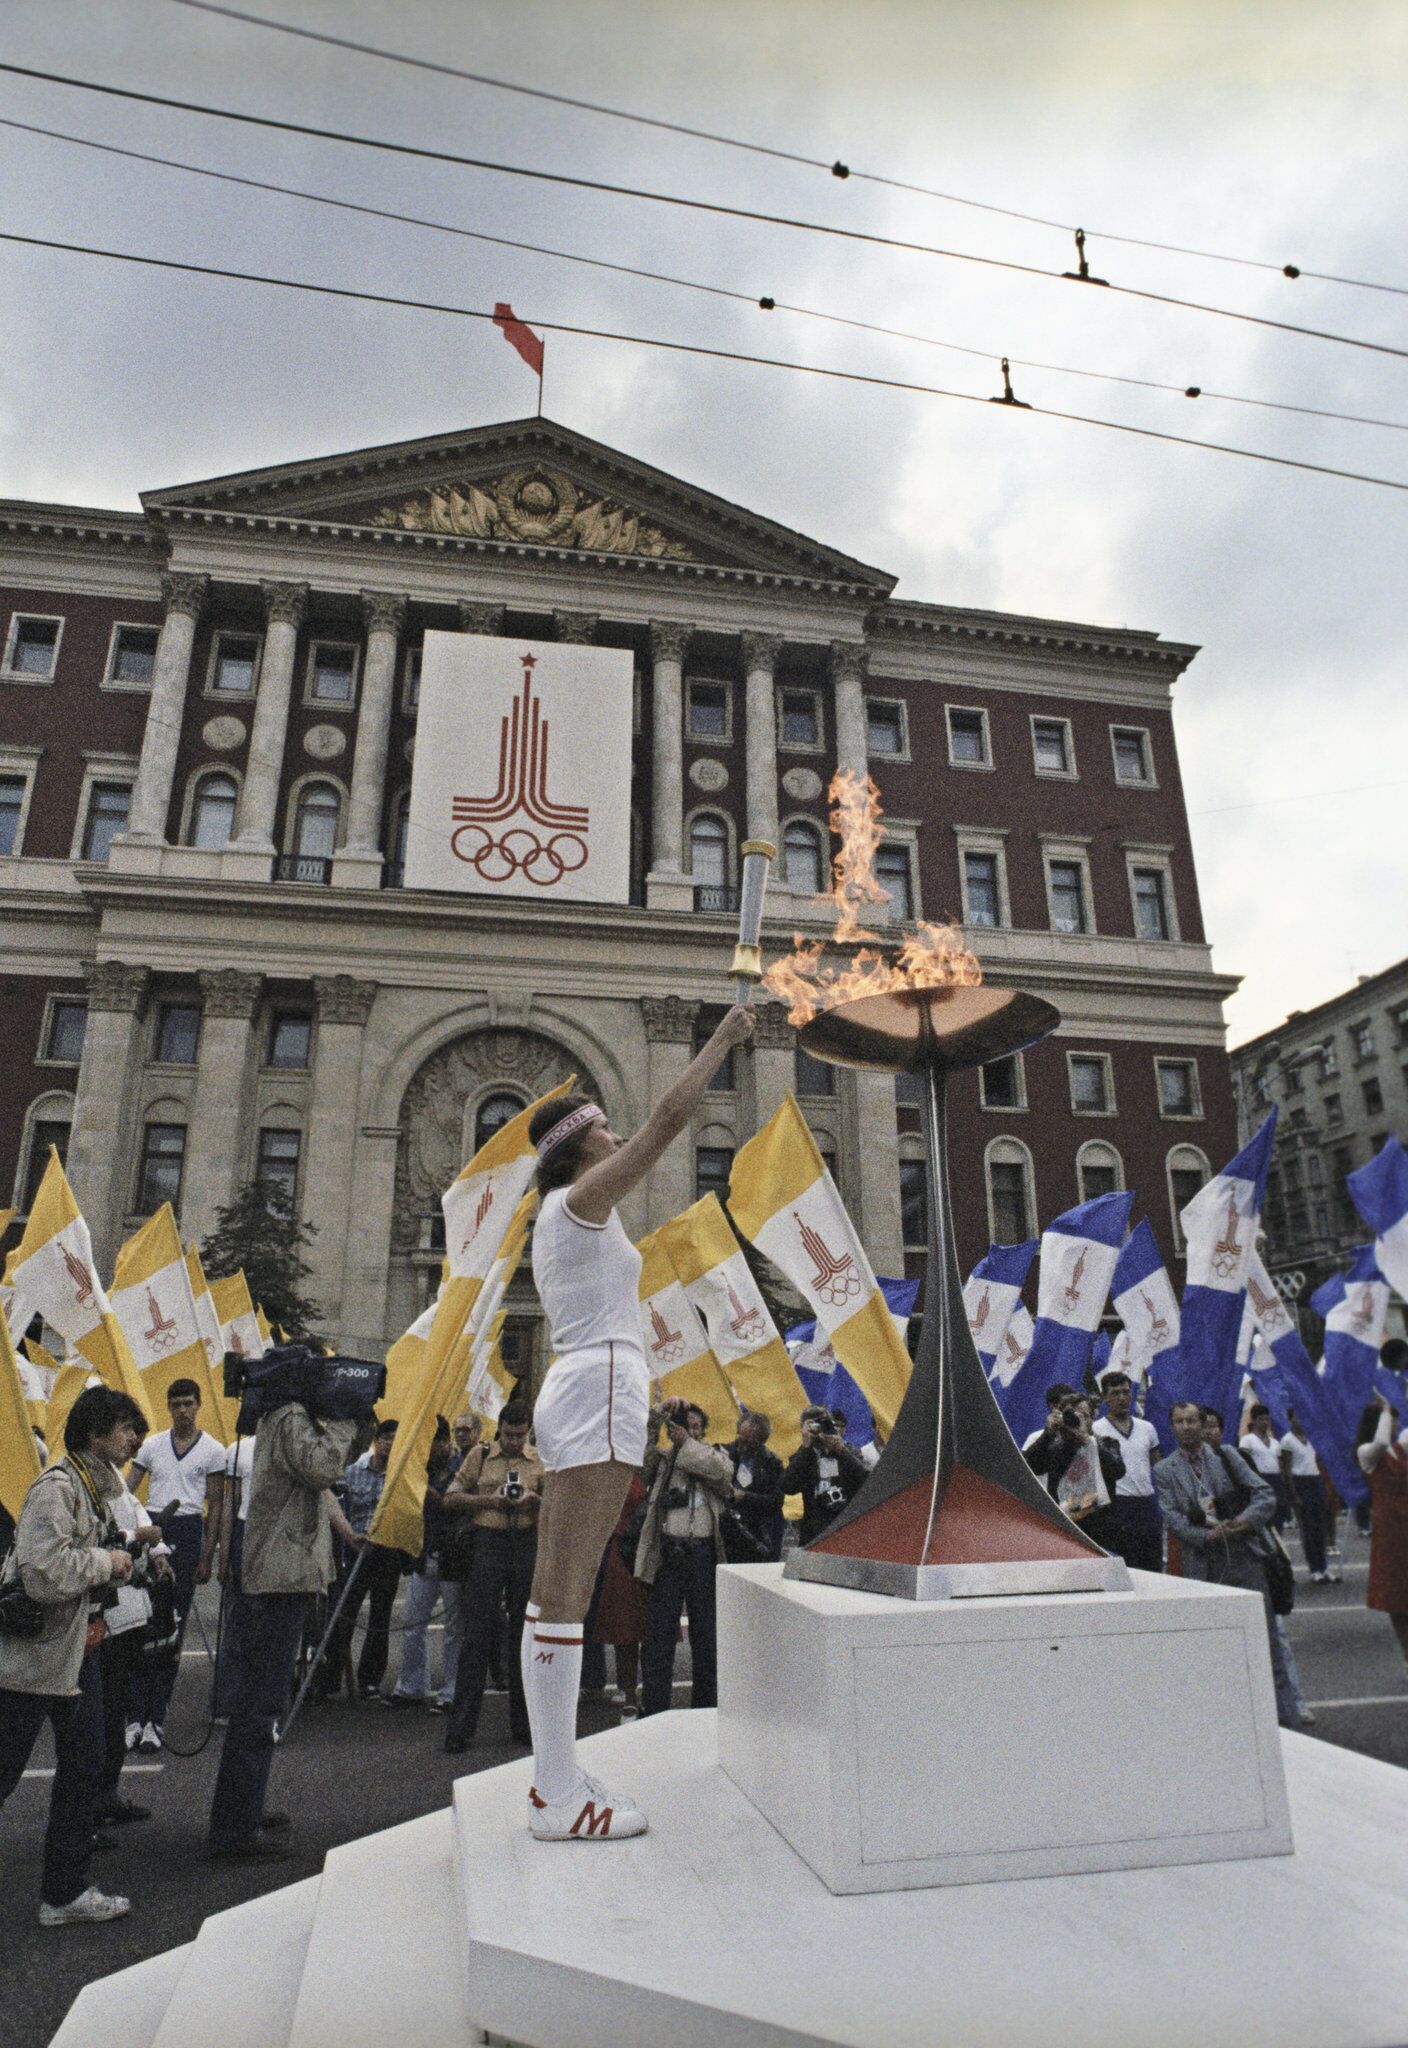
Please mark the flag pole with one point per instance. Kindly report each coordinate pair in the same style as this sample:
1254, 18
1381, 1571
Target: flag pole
542, 364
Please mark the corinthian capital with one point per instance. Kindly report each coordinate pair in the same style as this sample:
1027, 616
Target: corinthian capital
184, 593
760, 651
384, 611
848, 659
113, 985
576, 628
226, 992
771, 1029
668, 640
342, 1000
285, 603
669, 1020
487, 619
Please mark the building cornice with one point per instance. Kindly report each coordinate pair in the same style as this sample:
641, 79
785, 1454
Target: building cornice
902, 624
1311, 1023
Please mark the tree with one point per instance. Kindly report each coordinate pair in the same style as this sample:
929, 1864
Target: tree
259, 1232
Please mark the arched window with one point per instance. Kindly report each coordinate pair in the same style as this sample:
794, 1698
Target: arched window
1099, 1170
213, 811
315, 829
708, 851
48, 1121
1011, 1191
803, 863
493, 1113
1187, 1170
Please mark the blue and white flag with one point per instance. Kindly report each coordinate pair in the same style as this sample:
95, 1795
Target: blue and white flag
1079, 1252
822, 1374
1380, 1194
1354, 1306
1219, 1230
1014, 1349
1289, 1374
1146, 1304
991, 1293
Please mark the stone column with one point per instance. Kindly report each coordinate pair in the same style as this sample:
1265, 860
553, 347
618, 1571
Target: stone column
669, 1033
480, 618
667, 887
760, 652
218, 1156
576, 628
284, 604
772, 1062
334, 1118
357, 863
877, 1151
363, 1327
184, 598
852, 740
103, 1144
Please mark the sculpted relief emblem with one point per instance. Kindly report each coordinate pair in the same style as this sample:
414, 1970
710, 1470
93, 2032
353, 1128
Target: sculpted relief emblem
537, 505
324, 742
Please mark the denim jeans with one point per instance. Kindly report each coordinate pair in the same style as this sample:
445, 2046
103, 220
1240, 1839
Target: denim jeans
264, 1645
423, 1590
77, 1722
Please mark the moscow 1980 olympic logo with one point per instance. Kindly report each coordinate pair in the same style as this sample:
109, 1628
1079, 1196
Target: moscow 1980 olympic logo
541, 858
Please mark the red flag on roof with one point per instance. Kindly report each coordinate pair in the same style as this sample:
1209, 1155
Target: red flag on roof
528, 344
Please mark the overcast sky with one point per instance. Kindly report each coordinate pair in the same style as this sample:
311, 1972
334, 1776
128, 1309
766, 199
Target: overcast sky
1267, 130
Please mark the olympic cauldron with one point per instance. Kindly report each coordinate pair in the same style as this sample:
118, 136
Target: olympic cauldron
952, 1509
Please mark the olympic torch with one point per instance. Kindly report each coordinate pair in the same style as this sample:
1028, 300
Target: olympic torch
758, 855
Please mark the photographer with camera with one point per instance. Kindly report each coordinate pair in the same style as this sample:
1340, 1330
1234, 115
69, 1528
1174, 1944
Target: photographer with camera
143, 1631
499, 1488
680, 1545
824, 1470
62, 1571
304, 1409
753, 1519
1081, 1469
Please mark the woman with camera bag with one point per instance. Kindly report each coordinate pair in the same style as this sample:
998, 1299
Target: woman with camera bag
591, 1415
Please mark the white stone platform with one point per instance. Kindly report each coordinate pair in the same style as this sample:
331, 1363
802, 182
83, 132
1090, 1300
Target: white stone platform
903, 1743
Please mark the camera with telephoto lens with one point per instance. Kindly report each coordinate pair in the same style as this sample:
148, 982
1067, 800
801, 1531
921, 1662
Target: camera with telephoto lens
331, 1389
514, 1489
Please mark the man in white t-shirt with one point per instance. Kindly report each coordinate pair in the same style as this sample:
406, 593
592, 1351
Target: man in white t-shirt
186, 1484
1138, 1523
1308, 1489
1261, 1447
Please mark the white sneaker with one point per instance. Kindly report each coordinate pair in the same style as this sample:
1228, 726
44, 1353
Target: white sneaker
134, 1734
589, 1813
150, 1738
88, 1906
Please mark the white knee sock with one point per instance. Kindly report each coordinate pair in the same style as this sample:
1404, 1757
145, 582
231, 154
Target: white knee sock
555, 1677
525, 1656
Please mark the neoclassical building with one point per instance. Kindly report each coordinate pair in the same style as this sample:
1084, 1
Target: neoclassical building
211, 970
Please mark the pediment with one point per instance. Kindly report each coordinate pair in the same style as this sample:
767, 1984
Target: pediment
526, 483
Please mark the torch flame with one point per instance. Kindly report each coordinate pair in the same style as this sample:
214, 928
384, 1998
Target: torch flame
931, 956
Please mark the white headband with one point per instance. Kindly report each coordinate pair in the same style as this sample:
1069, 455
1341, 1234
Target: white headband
576, 1120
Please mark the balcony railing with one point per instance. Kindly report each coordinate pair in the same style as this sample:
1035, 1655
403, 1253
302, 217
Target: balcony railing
707, 896
302, 867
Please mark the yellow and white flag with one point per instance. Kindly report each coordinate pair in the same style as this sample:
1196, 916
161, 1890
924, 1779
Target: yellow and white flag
54, 1270
742, 1334
20, 1460
405, 1368
213, 1339
485, 1393
236, 1315
479, 1203
783, 1199
152, 1299
678, 1354
490, 1381
266, 1328
399, 1520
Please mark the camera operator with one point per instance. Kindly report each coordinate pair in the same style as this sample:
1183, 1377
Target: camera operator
1081, 1469
824, 1470
287, 1556
66, 1560
757, 1491
680, 1546
142, 1628
500, 1488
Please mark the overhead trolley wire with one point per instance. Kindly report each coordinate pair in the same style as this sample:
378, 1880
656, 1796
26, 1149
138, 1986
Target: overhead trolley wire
685, 283
691, 348
710, 206
835, 169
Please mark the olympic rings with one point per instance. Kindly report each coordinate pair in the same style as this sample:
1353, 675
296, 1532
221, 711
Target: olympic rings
521, 852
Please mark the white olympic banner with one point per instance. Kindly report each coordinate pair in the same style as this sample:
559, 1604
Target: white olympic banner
521, 784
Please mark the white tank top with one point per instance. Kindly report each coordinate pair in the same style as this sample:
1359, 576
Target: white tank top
587, 1276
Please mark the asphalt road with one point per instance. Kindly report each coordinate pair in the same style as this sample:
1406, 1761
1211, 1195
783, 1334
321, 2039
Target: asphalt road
352, 1769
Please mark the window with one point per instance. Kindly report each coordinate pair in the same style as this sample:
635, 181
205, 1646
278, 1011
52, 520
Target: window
803, 860
1010, 1204
291, 1039
1151, 920
107, 817
968, 739
895, 876
493, 1113
914, 1205
163, 1156
982, 896
800, 722
1400, 1022
1065, 881
909, 1091
813, 1076
708, 710
1322, 1221
1300, 1119
707, 1019
33, 649
1178, 1088
1099, 1171
712, 1164
132, 657
885, 727
12, 796
68, 1021
1334, 1109
1363, 1037
1092, 1083
1002, 1084
1131, 748
332, 672
277, 1163
213, 811
708, 852
1373, 1096
234, 664
1315, 1172
45, 1134
316, 821
1053, 752
414, 657
1188, 1172
1295, 1081
177, 1034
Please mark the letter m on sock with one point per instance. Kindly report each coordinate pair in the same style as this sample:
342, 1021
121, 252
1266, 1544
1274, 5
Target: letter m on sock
590, 1822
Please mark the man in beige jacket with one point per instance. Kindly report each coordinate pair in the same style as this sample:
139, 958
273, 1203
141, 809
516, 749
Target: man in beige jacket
66, 1554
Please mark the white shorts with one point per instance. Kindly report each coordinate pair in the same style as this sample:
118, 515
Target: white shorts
594, 1408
